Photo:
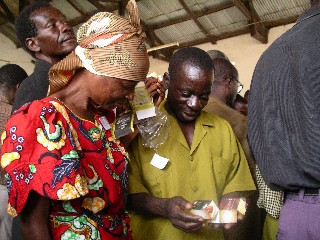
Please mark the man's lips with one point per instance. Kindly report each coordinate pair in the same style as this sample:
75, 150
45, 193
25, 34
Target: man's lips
191, 114
69, 38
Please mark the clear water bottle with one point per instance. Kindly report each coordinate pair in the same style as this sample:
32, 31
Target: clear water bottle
154, 130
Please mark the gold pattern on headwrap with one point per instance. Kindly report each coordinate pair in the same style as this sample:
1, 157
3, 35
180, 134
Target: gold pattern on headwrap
111, 45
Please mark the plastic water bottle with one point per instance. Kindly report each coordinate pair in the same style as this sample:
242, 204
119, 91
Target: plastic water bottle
154, 130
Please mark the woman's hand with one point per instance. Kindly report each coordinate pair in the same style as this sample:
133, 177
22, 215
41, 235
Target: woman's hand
156, 90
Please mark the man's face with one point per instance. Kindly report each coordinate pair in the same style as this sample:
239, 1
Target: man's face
189, 93
232, 90
241, 107
109, 92
55, 38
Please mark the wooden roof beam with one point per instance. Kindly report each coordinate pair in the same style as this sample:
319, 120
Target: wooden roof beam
271, 24
8, 14
22, 4
257, 29
209, 36
122, 7
101, 7
77, 8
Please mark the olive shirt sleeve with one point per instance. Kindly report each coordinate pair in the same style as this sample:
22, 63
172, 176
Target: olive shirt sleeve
239, 177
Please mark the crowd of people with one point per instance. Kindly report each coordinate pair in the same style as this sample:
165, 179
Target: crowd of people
65, 175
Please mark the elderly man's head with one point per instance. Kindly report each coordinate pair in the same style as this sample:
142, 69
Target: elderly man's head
226, 80
44, 32
190, 78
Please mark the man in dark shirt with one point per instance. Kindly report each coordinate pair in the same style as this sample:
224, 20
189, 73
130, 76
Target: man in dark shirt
284, 124
44, 32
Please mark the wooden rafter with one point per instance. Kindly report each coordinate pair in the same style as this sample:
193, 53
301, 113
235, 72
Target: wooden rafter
257, 29
122, 7
209, 36
22, 4
271, 24
101, 7
8, 14
77, 8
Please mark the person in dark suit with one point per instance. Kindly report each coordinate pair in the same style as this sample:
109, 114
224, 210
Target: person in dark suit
284, 124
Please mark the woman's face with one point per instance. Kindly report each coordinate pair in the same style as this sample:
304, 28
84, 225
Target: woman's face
110, 92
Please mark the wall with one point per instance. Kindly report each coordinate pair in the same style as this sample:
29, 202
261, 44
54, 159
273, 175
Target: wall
243, 50
11, 54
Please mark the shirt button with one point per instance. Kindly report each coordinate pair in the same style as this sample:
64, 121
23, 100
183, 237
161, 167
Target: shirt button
194, 189
191, 158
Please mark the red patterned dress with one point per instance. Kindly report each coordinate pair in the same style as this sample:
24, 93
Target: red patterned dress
75, 163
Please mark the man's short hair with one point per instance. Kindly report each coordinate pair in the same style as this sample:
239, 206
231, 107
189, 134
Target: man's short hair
12, 75
25, 27
192, 56
240, 99
222, 67
217, 54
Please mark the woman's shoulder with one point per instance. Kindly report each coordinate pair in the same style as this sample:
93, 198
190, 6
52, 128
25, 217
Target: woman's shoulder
34, 108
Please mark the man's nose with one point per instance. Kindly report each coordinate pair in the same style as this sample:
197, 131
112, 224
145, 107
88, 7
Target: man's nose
194, 102
65, 27
130, 96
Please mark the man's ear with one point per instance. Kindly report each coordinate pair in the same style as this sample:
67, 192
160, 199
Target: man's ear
166, 79
228, 82
32, 44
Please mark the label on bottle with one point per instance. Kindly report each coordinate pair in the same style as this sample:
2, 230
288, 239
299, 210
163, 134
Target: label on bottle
142, 103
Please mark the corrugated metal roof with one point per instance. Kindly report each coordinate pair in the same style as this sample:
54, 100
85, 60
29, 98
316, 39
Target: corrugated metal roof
155, 11
181, 32
224, 21
203, 5
190, 22
272, 10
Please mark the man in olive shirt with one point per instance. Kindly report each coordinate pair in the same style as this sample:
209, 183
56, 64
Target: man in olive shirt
205, 160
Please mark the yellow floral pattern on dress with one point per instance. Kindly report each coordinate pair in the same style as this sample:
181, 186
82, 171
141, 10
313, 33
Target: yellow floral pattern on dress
7, 158
95, 204
3, 136
81, 185
51, 145
61, 109
68, 191
11, 211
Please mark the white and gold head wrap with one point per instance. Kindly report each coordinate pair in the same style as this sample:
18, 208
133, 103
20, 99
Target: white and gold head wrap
109, 45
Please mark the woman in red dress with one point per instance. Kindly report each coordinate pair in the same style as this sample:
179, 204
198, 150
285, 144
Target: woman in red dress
66, 173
